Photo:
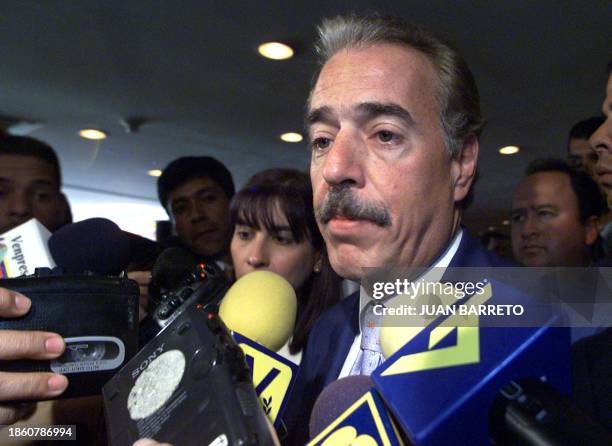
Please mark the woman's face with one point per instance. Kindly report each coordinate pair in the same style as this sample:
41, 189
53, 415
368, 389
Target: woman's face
257, 249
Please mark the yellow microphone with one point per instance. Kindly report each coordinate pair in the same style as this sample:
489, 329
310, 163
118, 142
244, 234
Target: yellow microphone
260, 308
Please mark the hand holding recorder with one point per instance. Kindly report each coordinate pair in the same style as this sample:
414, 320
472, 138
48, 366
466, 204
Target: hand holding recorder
16, 344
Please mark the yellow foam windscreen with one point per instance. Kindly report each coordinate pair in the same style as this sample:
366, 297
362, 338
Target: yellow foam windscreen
261, 306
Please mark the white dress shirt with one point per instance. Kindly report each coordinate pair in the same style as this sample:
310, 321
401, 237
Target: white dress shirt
355, 350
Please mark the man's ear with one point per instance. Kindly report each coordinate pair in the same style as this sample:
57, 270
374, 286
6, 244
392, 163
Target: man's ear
463, 167
591, 231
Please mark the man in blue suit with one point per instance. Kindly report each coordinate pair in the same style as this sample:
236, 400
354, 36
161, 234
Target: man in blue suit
394, 120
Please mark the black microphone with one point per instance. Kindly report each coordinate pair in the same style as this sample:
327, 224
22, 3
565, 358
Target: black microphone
531, 412
172, 268
94, 245
338, 396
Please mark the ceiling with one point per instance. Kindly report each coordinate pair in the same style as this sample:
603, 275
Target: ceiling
191, 70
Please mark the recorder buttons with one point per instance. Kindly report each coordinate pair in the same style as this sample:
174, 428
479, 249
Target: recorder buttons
202, 361
186, 293
164, 312
183, 327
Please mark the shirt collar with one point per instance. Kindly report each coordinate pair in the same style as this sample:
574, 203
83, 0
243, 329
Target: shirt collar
439, 266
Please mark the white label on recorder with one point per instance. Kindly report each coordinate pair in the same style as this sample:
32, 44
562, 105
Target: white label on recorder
90, 354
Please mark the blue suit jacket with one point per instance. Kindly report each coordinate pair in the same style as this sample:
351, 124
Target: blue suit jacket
332, 336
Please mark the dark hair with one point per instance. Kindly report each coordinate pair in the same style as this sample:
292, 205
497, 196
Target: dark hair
290, 191
26, 146
609, 68
187, 168
590, 200
585, 128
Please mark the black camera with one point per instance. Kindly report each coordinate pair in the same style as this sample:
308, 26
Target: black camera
190, 385
206, 285
96, 315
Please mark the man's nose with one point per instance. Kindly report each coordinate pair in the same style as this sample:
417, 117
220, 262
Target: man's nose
200, 211
344, 160
19, 207
601, 139
529, 227
258, 255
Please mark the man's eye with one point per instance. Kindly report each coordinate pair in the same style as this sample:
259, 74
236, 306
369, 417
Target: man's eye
516, 218
41, 196
321, 143
545, 214
386, 136
179, 210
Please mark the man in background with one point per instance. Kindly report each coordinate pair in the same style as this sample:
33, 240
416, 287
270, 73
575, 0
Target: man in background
601, 141
196, 192
580, 154
554, 216
30, 184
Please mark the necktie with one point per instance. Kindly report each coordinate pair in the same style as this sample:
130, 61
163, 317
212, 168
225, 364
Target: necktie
370, 355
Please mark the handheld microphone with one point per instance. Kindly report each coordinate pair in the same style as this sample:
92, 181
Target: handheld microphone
441, 384
531, 412
349, 411
94, 245
260, 308
172, 267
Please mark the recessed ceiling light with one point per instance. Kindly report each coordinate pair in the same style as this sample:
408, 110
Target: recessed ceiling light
155, 172
291, 137
275, 50
506, 222
92, 134
509, 150
491, 228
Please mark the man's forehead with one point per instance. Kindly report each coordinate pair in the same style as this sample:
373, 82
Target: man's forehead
26, 169
381, 72
194, 186
543, 188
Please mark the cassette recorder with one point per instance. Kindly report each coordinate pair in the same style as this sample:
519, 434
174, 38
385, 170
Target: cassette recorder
96, 315
190, 385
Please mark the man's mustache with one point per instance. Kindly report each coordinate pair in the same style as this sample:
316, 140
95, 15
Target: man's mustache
340, 201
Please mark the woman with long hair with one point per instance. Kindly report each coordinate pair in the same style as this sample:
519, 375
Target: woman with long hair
275, 230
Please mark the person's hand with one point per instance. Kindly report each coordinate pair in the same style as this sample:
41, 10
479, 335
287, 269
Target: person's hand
149, 442
142, 278
20, 344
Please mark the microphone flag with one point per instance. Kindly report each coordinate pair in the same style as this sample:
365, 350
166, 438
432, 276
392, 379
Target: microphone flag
273, 376
439, 386
366, 422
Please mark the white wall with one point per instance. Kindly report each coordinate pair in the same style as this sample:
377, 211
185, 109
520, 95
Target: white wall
131, 214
